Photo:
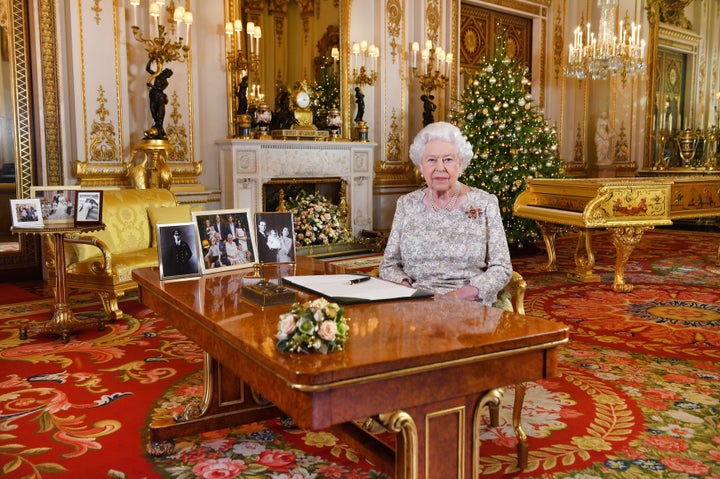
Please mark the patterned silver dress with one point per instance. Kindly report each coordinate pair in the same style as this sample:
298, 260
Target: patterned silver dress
440, 251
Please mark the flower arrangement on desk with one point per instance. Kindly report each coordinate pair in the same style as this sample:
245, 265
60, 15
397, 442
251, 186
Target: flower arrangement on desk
317, 220
317, 325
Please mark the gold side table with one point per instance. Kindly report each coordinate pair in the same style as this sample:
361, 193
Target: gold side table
63, 321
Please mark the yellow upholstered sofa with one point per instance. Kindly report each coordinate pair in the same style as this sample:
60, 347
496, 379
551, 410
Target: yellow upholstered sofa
102, 261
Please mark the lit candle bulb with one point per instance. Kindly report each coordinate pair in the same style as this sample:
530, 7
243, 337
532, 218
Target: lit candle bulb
415, 47
237, 28
258, 35
250, 31
188, 20
135, 4
155, 13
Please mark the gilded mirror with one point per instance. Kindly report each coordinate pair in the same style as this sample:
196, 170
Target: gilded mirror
674, 79
296, 45
16, 148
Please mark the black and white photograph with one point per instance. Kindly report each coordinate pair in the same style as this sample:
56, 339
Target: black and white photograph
226, 239
26, 213
178, 252
88, 207
57, 204
275, 237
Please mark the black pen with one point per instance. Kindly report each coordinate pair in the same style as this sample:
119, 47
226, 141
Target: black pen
359, 280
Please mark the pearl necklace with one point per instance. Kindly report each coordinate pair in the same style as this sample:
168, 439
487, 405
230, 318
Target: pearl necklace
450, 204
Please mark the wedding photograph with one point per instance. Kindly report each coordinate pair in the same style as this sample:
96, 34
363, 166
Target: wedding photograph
88, 208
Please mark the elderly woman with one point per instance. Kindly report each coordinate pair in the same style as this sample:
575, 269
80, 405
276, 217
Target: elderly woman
447, 237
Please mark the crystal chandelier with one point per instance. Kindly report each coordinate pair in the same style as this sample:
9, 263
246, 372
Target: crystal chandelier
608, 53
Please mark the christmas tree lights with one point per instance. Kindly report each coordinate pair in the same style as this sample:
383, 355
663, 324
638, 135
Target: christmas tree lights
510, 136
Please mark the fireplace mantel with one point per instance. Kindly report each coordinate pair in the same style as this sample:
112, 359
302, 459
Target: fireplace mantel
245, 165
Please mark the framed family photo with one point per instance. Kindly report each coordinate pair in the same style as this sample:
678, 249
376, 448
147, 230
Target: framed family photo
275, 237
57, 204
88, 209
26, 213
226, 239
178, 251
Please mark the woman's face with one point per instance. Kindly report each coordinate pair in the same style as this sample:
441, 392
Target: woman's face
285, 231
440, 165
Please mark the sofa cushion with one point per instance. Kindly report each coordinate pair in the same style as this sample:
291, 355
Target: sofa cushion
162, 215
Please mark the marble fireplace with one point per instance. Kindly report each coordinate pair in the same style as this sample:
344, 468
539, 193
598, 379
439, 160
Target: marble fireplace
247, 166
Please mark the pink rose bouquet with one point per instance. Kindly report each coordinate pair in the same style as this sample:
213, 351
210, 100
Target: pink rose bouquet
317, 220
316, 325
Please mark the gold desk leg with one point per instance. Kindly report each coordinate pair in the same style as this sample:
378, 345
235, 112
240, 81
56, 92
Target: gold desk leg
226, 401
522, 447
625, 239
406, 462
584, 259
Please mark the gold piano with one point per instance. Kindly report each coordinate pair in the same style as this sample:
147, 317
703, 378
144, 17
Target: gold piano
626, 207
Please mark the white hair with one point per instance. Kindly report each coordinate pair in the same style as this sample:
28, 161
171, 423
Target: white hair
441, 131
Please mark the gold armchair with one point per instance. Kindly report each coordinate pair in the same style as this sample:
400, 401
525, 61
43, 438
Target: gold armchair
511, 298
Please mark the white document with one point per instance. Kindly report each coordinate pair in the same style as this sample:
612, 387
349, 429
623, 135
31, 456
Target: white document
338, 286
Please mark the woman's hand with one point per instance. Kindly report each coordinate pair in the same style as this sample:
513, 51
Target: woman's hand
466, 292
406, 282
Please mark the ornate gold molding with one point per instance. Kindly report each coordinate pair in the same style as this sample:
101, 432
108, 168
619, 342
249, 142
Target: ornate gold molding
103, 146
432, 21
51, 110
558, 43
394, 18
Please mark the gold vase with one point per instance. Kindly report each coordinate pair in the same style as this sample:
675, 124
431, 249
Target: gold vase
687, 142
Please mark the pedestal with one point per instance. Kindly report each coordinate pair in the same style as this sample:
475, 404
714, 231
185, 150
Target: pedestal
152, 171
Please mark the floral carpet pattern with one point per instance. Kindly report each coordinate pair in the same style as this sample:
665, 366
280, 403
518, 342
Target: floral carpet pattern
638, 394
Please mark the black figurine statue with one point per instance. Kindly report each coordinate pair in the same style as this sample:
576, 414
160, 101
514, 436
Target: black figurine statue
242, 96
428, 109
283, 118
360, 100
157, 83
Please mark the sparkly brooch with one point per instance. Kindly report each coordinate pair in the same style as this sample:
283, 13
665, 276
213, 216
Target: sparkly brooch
473, 212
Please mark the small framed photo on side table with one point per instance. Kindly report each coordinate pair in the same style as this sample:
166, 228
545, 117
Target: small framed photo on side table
178, 251
26, 213
57, 203
88, 207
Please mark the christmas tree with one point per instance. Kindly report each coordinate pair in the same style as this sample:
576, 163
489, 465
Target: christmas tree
510, 137
326, 92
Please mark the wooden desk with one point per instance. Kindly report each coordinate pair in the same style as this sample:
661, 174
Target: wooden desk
63, 320
421, 366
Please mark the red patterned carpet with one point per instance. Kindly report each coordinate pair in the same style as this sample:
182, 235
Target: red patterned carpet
638, 394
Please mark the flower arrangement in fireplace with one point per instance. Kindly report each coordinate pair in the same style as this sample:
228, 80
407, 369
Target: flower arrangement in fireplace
317, 220
317, 325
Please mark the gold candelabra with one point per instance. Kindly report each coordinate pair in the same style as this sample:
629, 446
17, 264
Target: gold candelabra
244, 67
363, 71
432, 75
436, 64
165, 46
